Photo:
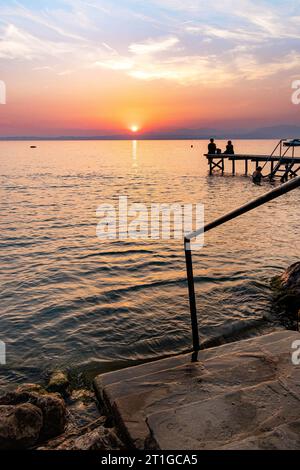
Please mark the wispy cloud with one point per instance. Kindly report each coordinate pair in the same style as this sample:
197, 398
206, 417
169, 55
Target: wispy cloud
153, 46
184, 42
117, 64
19, 44
238, 34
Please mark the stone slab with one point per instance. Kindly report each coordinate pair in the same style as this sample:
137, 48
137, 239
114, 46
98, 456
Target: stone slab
138, 393
242, 416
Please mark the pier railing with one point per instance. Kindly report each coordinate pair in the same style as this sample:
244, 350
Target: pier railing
274, 194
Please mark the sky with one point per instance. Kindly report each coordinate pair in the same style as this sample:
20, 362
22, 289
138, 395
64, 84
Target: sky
100, 67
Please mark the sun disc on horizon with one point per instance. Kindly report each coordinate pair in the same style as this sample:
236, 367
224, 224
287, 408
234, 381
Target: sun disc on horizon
134, 128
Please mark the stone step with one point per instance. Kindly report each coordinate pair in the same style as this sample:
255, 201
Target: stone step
136, 393
234, 420
211, 371
147, 368
123, 384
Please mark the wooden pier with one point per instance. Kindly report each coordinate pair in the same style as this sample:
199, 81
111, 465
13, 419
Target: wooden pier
282, 162
278, 166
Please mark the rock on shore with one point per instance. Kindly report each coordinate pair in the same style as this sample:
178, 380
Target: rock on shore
28, 417
54, 418
20, 426
287, 288
59, 383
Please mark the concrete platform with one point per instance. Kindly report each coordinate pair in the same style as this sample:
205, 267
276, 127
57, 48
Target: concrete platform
239, 395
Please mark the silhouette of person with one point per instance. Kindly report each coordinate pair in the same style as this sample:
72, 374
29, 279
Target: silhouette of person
229, 148
257, 175
212, 148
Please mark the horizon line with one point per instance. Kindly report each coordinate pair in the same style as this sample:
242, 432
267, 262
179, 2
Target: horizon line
131, 138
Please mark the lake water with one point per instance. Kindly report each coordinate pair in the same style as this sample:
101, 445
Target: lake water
70, 300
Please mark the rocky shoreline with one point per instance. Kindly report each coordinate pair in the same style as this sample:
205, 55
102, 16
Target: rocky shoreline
55, 417
286, 296
60, 416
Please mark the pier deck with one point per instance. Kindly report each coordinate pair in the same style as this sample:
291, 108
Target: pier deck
279, 165
242, 395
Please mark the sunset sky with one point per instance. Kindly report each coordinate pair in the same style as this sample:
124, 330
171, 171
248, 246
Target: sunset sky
99, 67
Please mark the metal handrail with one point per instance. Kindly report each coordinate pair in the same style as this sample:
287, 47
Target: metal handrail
282, 156
280, 153
275, 193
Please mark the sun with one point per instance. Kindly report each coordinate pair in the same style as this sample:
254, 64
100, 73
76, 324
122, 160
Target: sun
134, 128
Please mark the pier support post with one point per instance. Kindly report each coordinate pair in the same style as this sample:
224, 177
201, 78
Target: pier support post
246, 166
233, 166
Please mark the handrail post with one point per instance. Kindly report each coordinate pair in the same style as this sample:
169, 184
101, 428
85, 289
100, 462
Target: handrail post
192, 296
270, 196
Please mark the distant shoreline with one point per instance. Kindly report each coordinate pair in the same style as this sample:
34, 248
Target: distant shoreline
129, 138
263, 133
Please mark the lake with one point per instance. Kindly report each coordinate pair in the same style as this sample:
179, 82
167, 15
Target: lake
73, 301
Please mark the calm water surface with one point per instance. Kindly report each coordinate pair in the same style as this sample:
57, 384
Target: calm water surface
70, 300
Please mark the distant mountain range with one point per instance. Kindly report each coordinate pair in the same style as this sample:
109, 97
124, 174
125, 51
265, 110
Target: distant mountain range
274, 132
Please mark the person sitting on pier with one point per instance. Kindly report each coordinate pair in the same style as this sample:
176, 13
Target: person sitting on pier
229, 148
257, 175
212, 148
